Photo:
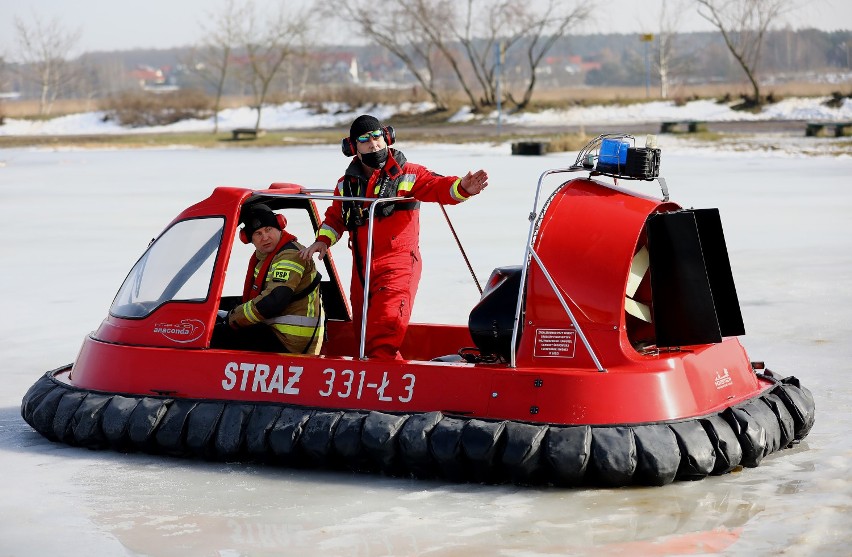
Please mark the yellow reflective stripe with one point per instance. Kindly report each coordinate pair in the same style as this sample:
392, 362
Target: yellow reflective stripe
299, 330
312, 298
250, 314
456, 191
329, 233
289, 265
406, 184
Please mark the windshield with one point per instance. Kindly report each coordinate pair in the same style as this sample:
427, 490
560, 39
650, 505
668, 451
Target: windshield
178, 266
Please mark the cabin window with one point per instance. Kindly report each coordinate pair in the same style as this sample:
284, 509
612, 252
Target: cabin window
177, 266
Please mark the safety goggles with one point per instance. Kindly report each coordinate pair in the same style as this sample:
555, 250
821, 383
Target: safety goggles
369, 135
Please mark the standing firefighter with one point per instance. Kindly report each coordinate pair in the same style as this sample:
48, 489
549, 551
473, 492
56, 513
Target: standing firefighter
378, 171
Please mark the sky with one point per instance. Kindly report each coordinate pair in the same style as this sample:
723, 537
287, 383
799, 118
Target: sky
166, 23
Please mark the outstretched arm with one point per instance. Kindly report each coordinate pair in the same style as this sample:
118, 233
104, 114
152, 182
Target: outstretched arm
474, 183
447, 190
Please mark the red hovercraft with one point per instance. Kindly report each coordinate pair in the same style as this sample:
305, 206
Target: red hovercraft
608, 357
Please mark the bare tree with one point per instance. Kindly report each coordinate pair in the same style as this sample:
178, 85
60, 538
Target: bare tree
435, 19
743, 25
467, 35
540, 31
5, 73
394, 28
269, 40
4, 77
211, 60
665, 45
668, 62
44, 49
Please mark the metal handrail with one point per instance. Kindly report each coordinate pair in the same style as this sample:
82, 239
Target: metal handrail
527, 252
373, 201
368, 264
580, 165
580, 333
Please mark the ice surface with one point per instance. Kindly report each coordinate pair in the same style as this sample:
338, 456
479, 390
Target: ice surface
74, 222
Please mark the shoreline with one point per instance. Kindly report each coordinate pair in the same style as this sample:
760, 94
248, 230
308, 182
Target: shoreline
774, 135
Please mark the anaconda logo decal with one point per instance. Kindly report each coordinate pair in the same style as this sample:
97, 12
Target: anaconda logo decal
723, 379
185, 331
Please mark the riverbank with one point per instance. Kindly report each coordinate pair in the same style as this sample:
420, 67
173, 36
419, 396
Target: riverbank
787, 136
566, 128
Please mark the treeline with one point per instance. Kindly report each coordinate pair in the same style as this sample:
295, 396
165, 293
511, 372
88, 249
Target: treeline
327, 74
700, 58
703, 57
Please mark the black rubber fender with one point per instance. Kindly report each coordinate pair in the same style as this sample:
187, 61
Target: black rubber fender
750, 433
87, 422
144, 420
170, 436
318, 436
810, 406
201, 428
44, 414
729, 454
429, 444
260, 423
760, 411
116, 419
347, 442
379, 440
446, 449
482, 444
285, 433
413, 441
799, 404
785, 419
229, 441
567, 450
613, 457
63, 420
522, 456
35, 394
657, 454
697, 455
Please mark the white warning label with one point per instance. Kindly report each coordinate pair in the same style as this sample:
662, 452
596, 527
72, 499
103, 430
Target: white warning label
554, 343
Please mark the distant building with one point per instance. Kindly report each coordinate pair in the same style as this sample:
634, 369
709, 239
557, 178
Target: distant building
335, 66
154, 79
147, 76
574, 64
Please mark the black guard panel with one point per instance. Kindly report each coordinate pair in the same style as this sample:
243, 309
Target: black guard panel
694, 298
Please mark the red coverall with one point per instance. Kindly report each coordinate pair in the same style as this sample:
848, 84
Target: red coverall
396, 265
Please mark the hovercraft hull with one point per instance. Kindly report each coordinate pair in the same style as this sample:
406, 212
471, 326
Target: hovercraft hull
609, 356
425, 444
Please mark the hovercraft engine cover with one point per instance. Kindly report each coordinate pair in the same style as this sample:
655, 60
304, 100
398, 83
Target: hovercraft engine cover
491, 320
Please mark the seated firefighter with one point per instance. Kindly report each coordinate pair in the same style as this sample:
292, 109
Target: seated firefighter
281, 309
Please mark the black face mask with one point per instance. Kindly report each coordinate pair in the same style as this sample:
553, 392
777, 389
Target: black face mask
376, 159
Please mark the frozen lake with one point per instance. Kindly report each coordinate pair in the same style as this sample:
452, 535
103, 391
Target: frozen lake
74, 222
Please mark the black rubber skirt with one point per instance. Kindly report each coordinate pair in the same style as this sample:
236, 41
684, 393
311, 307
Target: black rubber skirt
427, 445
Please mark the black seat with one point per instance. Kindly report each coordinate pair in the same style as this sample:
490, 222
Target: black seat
492, 319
